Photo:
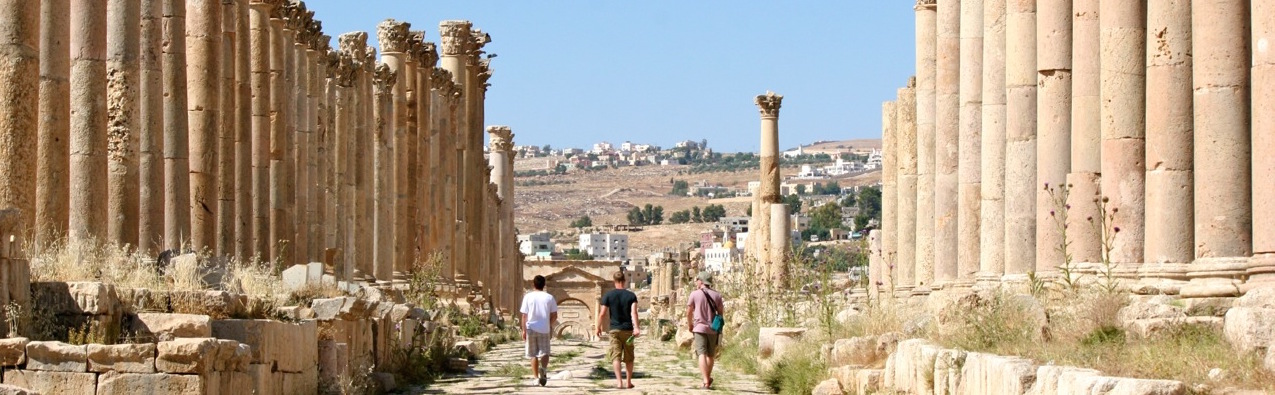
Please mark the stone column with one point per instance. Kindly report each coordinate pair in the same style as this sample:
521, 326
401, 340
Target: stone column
501, 159
442, 153
394, 39
970, 192
780, 243
430, 181
176, 127
1053, 118
926, 58
768, 191
1262, 265
358, 255
317, 120
1020, 136
889, 180
243, 134
455, 39
904, 273
227, 133
302, 137
946, 141
1123, 96
280, 95
343, 129
150, 167
52, 158
1223, 209
203, 46
876, 263
412, 191
365, 139
383, 83
1086, 134
88, 121
476, 171
1170, 221
259, 25
20, 86
992, 159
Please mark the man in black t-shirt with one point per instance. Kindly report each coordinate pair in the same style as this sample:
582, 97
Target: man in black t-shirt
620, 306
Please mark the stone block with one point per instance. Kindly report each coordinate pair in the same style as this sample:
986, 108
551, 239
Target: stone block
468, 348
1155, 326
1261, 298
1052, 379
684, 338
772, 343
868, 381
234, 383
95, 298
123, 358
13, 351
52, 382
1149, 310
295, 277
232, 356
257, 334
136, 300
1207, 307
947, 371
301, 383
1128, 386
263, 379
327, 308
6, 389
399, 312
157, 384
187, 355
57, 357
165, 327
855, 351
297, 349
827, 387
215, 304
1248, 329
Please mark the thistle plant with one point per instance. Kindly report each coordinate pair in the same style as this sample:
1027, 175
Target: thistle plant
1107, 231
1059, 214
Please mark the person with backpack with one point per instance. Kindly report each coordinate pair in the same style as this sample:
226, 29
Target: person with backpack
704, 315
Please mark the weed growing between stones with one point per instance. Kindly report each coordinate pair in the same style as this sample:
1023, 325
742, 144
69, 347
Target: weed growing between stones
797, 372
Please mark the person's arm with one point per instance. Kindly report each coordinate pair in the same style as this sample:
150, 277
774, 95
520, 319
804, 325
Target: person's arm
602, 314
637, 330
553, 321
690, 317
524, 326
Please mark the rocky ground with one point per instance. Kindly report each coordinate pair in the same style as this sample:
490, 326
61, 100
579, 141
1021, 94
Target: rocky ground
579, 367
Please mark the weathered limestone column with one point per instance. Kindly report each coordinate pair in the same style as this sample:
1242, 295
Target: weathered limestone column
365, 139
20, 38
150, 167
1020, 136
320, 152
926, 63
992, 209
1086, 134
889, 180
904, 273
88, 121
1170, 207
203, 46
511, 263
1262, 265
455, 40
947, 141
1123, 96
1223, 209
224, 229
476, 171
280, 241
429, 180
52, 158
412, 191
359, 254
442, 159
759, 227
876, 263
243, 194
176, 127
501, 159
302, 136
394, 38
344, 104
970, 176
1053, 118
780, 243
383, 83
259, 25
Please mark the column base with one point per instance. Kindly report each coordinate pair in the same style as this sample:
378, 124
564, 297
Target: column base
1215, 277
1260, 272
922, 290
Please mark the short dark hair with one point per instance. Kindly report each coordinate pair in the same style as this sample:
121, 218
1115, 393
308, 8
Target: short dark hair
618, 276
538, 282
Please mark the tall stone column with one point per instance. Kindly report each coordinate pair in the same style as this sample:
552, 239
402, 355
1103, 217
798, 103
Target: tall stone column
302, 136
176, 127
20, 104
430, 181
1170, 211
926, 64
992, 159
365, 138
970, 192
1053, 118
1020, 136
904, 273
780, 243
259, 64
383, 83
759, 227
501, 159
343, 136
412, 192
243, 133
52, 152
455, 40
224, 229
1223, 209
889, 180
394, 38
1262, 265
317, 120
442, 156
88, 121
476, 171
150, 167
1086, 134
203, 48
358, 256
947, 141
1123, 96
280, 93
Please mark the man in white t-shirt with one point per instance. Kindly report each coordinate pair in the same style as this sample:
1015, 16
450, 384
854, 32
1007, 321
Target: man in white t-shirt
539, 314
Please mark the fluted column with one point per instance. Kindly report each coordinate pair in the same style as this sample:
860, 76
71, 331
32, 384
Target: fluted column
224, 228
455, 39
1020, 136
970, 175
259, 25
947, 142
383, 82
1053, 148
394, 39
203, 48
88, 121
1086, 134
904, 273
889, 180
52, 158
1123, 96
992, 208
1223, 209
926, 58
759, 227
243, 133
20, 38
317, 118
1170, 211
1262, 265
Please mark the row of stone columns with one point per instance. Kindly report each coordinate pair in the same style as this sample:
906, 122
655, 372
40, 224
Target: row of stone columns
232, 127
1132, 136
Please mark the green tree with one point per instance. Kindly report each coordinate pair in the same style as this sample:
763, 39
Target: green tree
794, 203
680, 217
870, 202
582, 222
696, 215
714, 212
848, 201
826, 217
801, 189
575, 254
636, 218
861, 221
680, 188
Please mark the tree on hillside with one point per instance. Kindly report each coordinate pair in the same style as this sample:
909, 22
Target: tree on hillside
825, 217
680, 188
793, 202
870, 202
680, 217
648, 215
713, 212
801, 189
696, 215
582, 222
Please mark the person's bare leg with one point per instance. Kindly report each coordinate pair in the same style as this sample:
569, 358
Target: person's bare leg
535, 367
711, 360
619, 382
704, 368
544, 365
629, 368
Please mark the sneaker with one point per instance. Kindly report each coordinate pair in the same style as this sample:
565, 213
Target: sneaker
543, 378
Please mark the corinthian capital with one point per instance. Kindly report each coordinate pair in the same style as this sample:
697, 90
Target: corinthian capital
454, 37
428, 55
353, 44
383, 79
926, 4
502, 138
769, 104
393, 36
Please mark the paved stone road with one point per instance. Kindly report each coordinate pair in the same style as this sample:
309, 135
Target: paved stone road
577, 367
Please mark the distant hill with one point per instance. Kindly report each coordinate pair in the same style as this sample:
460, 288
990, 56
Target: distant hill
858, 146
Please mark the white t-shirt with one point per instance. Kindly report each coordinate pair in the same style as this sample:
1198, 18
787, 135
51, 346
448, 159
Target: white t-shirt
537, 305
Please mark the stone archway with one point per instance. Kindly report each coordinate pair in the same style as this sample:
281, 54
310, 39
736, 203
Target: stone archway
574, 319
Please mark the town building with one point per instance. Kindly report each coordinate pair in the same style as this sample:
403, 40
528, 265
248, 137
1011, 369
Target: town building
535, 244
605, 246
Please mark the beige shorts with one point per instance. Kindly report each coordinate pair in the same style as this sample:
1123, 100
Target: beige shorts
537, 344
706, 344
620, 346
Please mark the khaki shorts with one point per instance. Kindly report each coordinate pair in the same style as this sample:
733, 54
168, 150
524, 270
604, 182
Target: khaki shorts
537, 344
705, 344
620, 346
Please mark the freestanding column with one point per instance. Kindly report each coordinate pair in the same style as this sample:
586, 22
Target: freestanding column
780, 243
150, 169
970, 175
768, 191
889, 180
1020, 136
88, 120
1262, 265
501, 160
905, 128
1053, 148
176, 127
301, 135
279, 142
343, 166
992, 208
259, 24
383, 82
203, 46
394, 37
20, 38
926, 58
1170, 211
476, 171
947, 141
122, 42
1223, 209
1123, 95
1086, 134
52, 158
442, 152
455, 39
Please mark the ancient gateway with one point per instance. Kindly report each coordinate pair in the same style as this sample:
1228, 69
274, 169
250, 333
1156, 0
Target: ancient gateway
233, 127
1079, 136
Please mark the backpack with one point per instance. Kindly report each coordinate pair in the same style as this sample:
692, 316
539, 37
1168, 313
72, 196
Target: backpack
717, 323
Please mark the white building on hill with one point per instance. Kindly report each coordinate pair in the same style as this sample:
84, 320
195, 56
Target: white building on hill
605, 246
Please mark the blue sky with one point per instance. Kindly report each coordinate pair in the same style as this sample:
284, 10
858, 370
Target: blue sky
572, 73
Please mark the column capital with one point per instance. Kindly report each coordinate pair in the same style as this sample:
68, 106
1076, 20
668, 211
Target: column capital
353, 45
769, 104
382, 79
454, 37
484, 74
343, 68
926, 5
265, 4
912, 82
295, 15
428, 55
394, 36
439, 78
478, 40
502, 138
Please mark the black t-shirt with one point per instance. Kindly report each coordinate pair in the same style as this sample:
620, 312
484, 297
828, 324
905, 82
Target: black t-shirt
619, 303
